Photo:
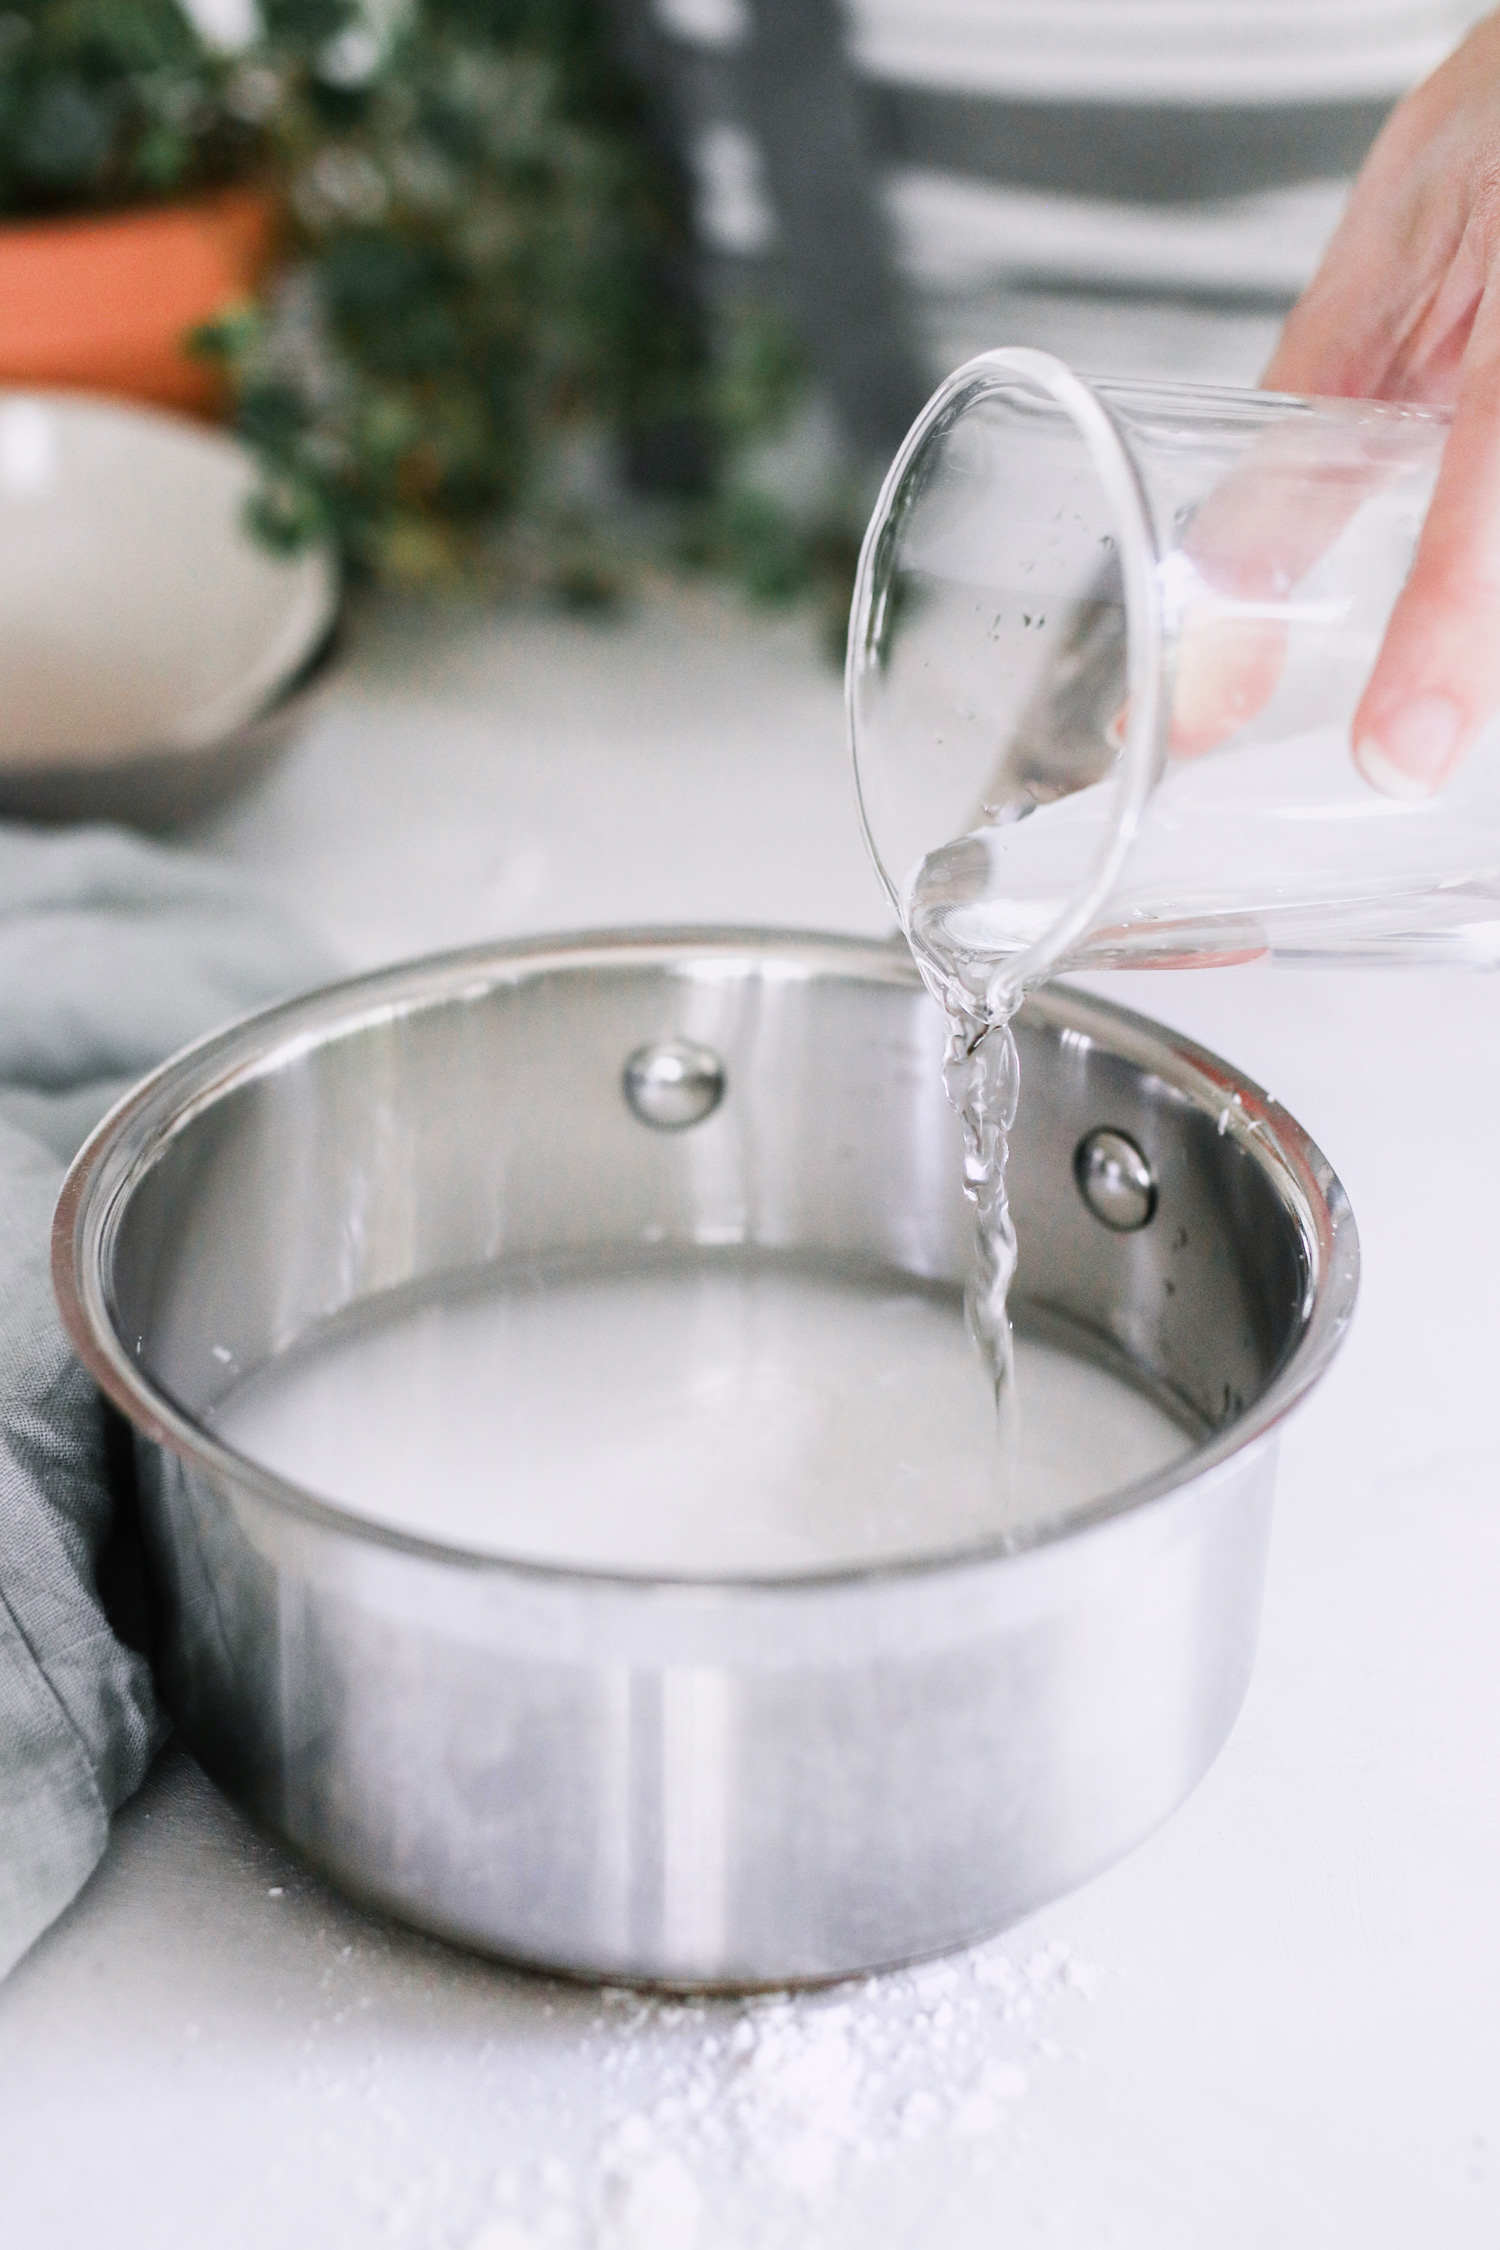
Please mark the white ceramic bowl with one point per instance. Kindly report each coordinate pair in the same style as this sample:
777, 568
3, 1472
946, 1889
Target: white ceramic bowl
137, 613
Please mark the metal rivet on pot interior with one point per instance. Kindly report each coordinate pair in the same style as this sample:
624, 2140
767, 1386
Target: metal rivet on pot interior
673, 1083
1115, 1180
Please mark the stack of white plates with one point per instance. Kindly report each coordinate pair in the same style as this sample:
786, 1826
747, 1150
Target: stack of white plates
1193, 292
1193, 288
1216, 52
962, 234
1145, 263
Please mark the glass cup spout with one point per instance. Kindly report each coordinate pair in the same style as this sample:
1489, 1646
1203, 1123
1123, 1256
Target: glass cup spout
1106, 645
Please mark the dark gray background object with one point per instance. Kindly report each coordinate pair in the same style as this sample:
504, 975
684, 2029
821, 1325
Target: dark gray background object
826, 138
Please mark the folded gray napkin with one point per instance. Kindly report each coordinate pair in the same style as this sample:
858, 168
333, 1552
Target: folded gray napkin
113, 952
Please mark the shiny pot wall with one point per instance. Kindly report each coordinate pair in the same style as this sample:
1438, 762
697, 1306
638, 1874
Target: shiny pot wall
686, 1781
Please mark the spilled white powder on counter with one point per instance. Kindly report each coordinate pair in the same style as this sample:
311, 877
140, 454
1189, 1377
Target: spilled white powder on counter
470, 2107
747, 2122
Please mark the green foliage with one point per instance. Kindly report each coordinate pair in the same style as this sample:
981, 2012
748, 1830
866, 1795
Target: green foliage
483, 253
105, 102
778, 558
758, 379
481, 243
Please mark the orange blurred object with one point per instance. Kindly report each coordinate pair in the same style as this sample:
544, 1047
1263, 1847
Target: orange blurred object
105, 303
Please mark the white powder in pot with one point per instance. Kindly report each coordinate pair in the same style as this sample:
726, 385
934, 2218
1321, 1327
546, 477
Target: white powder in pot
728, 1414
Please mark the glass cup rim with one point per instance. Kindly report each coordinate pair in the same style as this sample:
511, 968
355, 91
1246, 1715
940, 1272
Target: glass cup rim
1143, 751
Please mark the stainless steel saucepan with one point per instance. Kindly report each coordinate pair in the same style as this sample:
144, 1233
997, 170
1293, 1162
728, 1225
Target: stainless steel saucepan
692, 1782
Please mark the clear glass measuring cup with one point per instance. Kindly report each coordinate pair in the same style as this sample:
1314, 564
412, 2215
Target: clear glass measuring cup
1106, 644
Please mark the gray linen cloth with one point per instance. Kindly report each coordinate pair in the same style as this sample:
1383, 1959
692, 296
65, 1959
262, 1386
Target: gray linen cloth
113, 952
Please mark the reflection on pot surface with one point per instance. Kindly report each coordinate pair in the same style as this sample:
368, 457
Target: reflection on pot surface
785, 1755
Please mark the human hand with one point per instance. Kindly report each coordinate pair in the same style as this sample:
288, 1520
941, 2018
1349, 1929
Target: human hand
1406, 305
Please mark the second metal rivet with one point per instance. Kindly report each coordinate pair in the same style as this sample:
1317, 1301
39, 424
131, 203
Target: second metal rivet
1115, 1180
673, 1083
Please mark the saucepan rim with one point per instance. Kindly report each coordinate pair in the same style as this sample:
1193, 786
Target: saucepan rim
122, 1148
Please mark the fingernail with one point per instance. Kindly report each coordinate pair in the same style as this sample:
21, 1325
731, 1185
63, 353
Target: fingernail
1414, 748
1382, 775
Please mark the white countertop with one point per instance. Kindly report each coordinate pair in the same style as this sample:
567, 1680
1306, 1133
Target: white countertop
1276, 2023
